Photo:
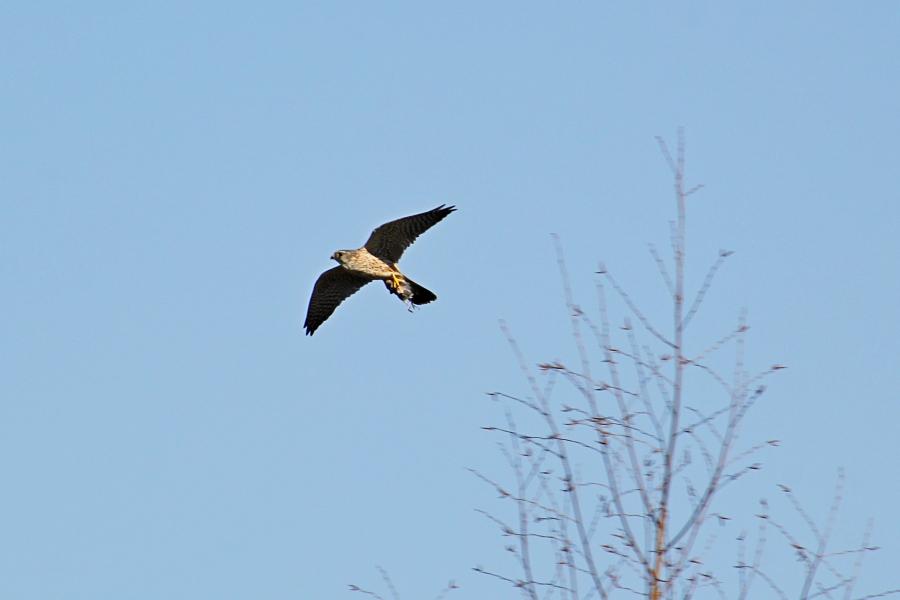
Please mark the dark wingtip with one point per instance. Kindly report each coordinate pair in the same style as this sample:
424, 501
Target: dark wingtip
445, 209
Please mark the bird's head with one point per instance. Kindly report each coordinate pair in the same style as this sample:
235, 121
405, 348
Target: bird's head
339, 256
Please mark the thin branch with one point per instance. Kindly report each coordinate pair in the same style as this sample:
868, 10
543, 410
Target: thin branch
771, 583
388, 582
661, 266
879, 595
450, 587
634, 309
664, 148
719, 343
823, 538
642, 382
707, 283
857, 565
356, 588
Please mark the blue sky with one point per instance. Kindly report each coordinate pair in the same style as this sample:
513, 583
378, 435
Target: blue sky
175, 176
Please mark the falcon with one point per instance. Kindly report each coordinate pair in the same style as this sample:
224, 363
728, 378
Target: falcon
377, 259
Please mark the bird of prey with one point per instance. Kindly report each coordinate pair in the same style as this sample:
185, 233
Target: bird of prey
377, 259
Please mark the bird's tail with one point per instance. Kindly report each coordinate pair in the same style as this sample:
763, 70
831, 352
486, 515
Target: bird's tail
410, 291
419, 294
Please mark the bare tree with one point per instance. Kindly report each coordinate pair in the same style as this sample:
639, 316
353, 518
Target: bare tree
617, 469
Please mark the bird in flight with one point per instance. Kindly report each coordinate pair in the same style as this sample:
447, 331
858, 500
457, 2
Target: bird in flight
377, 259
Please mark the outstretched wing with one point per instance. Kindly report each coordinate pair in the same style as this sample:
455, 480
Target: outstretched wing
332, 287
389, 241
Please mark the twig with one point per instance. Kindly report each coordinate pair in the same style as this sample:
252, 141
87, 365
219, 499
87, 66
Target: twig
662, 269
707, 283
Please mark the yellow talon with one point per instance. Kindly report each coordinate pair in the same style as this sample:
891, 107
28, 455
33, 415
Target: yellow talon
395, 281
